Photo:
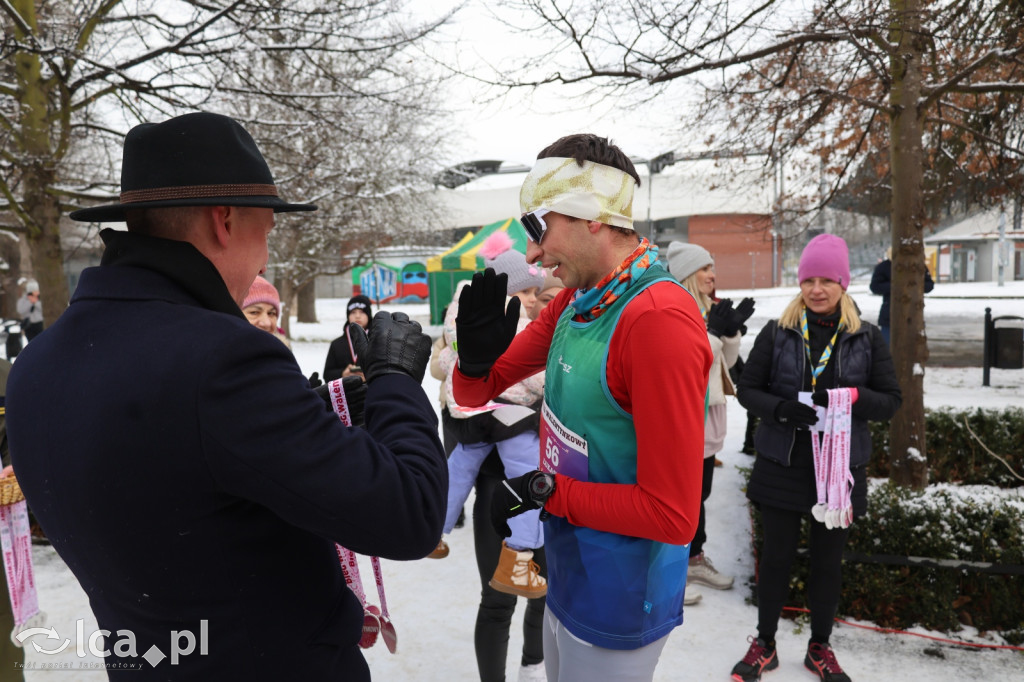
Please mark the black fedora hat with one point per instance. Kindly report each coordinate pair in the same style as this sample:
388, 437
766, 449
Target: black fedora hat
199, 159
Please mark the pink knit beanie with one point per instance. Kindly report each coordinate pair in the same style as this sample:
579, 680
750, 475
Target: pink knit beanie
262, 291
826, 256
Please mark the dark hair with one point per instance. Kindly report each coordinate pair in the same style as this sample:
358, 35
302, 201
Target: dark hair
170, 222
588, 147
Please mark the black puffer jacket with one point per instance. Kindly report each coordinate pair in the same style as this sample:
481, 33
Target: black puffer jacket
777, 369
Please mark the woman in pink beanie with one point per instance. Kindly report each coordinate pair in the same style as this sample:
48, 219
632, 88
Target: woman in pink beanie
262, 306
806, 467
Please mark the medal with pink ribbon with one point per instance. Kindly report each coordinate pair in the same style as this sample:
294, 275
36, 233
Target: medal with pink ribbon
376, 621
833, 479
16, 544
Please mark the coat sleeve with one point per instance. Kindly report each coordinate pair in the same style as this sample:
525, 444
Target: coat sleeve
379, 490
435, 360
880, 399
752, 390
525, 356
731, 350
881, 279
338, 358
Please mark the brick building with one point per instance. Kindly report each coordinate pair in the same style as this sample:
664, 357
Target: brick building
724, 205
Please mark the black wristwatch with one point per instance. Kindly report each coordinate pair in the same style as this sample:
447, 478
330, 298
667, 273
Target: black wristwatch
542, 486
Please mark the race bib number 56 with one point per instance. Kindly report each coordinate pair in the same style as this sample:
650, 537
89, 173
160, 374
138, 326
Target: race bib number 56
562, 450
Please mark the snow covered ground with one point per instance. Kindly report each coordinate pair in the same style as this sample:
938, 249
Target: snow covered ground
433, 602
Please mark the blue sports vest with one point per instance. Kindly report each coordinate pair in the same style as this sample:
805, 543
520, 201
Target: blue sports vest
613, 591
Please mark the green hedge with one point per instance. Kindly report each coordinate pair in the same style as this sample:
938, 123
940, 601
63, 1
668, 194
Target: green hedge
979, 521
954, 455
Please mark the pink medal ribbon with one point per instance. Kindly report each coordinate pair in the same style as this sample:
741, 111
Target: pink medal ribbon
16, 542
339, 402
832, 476
375, 620
371, 618
351, 348
387, 629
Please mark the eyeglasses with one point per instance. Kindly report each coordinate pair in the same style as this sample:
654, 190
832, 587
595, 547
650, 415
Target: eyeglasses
534, 224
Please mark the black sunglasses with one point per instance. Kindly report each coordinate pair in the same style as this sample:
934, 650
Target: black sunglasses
534, 224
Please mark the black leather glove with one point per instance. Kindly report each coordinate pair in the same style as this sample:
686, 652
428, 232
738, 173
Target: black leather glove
314, 380
719, 318
517, 496
795, 412
355, 397
740, 314
395, 345
484, 327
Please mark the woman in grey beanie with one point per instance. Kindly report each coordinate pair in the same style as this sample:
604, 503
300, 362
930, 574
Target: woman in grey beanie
694, 267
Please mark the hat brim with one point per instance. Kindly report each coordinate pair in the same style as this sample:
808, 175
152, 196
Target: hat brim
115, 213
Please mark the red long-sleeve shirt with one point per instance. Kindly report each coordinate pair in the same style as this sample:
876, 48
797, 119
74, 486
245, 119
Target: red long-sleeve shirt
657, 371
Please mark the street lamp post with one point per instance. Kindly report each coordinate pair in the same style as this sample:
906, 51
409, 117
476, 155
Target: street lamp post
656, 165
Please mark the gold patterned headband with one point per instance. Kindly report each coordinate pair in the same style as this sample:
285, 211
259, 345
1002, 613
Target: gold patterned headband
592, 191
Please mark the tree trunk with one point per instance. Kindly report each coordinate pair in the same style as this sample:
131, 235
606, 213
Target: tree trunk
40, 209
287, 291
48, 260
307, 302
907, 453
10, 252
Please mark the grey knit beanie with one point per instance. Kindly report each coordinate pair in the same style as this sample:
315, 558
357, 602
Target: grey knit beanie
498, 253
684, 259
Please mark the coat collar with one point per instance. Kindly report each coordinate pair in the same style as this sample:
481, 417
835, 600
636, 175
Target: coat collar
181, 262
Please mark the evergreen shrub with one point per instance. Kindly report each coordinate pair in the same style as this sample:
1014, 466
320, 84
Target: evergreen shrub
971, 511
954, 455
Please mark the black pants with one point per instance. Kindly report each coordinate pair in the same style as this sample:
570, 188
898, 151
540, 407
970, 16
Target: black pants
700, 537
494, 617
32, 330
781, 538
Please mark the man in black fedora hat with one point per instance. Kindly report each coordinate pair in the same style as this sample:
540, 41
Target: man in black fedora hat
175, 454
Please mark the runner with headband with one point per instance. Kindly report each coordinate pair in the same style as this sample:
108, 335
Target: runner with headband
622, 424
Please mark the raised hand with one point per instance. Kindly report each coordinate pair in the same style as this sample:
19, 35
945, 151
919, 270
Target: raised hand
719, 318
395, 345
484, 327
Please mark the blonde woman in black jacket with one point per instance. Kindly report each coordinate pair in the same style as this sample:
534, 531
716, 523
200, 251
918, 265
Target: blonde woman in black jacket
818, 343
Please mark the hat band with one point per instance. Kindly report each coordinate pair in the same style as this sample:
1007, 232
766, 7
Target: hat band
197, 192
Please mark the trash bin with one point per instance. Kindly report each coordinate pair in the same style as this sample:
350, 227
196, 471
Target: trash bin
1004, 343
11, 331
1007, 344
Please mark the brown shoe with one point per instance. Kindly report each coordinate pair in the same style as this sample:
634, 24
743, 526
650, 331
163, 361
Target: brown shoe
440, 552
518, 574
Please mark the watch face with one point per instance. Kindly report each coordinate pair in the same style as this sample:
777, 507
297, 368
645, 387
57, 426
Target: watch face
541, 486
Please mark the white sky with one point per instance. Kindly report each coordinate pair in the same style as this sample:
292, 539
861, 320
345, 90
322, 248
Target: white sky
517, 125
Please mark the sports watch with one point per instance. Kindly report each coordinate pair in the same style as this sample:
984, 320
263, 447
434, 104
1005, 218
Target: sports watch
542, 486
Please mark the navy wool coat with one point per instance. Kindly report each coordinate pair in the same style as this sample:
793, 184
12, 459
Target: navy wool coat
177, 459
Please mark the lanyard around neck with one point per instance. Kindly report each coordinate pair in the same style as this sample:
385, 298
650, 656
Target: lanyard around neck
825, 354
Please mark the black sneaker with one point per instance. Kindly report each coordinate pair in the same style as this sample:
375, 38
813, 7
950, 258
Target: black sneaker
821, 659
760, 658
